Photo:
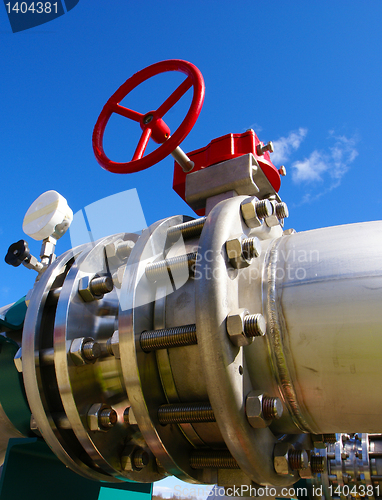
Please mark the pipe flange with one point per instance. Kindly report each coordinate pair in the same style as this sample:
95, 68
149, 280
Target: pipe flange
224, 363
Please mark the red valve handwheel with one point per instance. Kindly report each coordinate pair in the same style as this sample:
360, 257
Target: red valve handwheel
151, 123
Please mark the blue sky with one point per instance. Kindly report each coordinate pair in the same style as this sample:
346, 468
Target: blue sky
304, 74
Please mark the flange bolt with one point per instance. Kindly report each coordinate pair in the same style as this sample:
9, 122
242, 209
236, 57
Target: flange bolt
317, 464
298, 459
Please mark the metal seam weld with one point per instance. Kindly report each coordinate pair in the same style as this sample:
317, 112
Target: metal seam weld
277, 326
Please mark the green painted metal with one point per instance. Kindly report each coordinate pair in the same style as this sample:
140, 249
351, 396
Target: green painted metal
32, 471
126, 491
14, 317
12, 394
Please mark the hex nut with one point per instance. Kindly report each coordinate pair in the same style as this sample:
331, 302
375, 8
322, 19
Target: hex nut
272, 221
77, 353
318, 441
111, 249
84, 289
127, 460
281, 459
248, 212
129, 417
113, 345
33, 426
140, 459
235, 328
134, 458
235, 253
254, 410
124, 249
119, 250
18, 361
93, 417
118, 276
306, 473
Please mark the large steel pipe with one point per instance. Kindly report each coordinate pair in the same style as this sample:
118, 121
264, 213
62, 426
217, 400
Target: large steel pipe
323, 301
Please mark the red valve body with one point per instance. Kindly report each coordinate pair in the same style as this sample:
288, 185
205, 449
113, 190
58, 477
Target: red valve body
222, 149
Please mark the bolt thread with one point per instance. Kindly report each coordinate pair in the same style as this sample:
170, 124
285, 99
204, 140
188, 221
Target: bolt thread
172, 266
329, 438
297, 459
271, 408
250, 248
101, 285
188, 229
108, 417
172, 337
91, 350
282, 210
141, 459
268, 147
109, 347
263, 209
124, 249
185, 413
213, 460
254, 325
317, 464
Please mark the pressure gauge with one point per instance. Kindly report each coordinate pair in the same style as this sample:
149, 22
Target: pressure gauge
49, 215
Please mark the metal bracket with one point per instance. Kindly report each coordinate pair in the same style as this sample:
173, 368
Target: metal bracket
242, 175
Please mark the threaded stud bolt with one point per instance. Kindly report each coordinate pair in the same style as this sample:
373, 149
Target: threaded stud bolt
298, 459
91, 350
187, 230
101, 285
108, 418
329, 438
171, 337
171, 267
213, 460
317, 464
254, 325
141, 459
263, 209
251, 248
282, 211
272, 408
185, 413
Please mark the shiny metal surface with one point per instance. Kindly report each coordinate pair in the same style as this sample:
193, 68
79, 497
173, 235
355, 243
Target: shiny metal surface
141, 372
351, 468
225, 365
37, 320
103, 377
242, 175
324, 295
217, 350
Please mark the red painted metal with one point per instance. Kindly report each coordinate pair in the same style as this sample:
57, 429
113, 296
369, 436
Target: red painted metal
222, 149
151, 123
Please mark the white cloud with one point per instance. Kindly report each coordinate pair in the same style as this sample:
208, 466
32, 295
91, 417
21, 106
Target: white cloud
326, 166
309, 169
285, 146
